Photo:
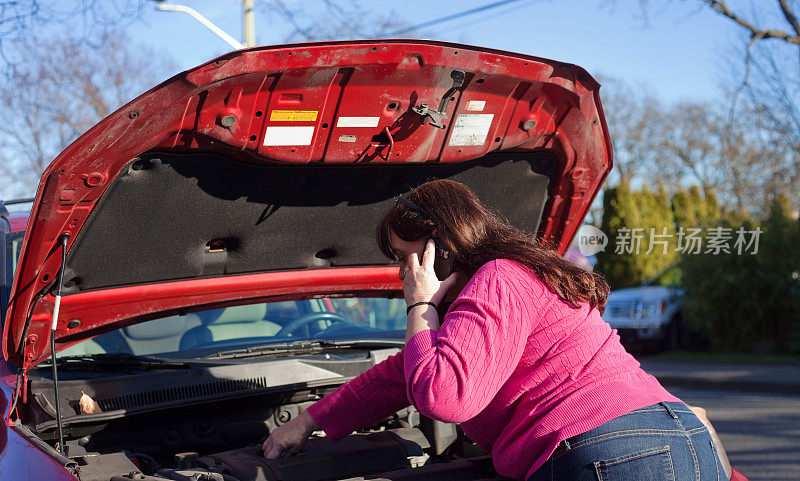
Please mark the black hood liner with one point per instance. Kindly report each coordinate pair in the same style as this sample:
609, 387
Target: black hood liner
171, 216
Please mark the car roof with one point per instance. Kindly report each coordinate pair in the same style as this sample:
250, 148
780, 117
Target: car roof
18, 221
17, 217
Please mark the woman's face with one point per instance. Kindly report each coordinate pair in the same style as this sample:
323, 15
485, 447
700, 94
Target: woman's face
403, 249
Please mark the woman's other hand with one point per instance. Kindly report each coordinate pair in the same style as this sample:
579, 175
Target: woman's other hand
420, 283
289, 438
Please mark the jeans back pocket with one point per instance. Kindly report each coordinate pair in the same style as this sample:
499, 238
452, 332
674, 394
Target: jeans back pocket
654, 464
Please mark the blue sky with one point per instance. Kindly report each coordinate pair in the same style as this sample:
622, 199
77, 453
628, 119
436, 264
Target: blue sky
681, 52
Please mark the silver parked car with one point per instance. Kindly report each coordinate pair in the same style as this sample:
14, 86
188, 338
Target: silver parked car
648, 315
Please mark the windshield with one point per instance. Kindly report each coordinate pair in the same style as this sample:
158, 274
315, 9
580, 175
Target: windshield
253, 324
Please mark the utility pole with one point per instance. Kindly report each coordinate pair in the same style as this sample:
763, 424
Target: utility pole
248, 24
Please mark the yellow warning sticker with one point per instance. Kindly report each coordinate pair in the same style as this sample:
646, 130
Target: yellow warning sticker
293, 115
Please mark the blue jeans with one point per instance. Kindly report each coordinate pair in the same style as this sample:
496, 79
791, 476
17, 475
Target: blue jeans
662, 442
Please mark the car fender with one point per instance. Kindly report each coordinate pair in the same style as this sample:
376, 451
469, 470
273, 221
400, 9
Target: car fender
19, 459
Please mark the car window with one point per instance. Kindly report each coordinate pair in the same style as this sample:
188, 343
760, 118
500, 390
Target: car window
385, 314
232, 327
13, 245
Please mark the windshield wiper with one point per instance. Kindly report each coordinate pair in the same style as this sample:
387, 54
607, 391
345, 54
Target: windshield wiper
305, 347
123, 360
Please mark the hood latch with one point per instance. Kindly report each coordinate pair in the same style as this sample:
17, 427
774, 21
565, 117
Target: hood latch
436, 117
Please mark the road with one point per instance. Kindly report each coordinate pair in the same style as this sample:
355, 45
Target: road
760, 432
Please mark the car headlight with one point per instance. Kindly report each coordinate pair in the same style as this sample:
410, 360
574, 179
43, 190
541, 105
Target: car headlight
650, 309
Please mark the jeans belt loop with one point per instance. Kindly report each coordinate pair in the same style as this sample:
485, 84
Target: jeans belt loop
669, 410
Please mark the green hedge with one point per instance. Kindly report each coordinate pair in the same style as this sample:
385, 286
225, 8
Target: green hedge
628, 214
749, 302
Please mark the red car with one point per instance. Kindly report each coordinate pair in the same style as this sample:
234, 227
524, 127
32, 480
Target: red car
203, 263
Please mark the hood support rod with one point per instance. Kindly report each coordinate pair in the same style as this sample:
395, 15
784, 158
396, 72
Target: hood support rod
53, 326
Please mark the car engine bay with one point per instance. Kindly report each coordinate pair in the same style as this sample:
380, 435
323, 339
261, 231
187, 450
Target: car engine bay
192, 432
391, 454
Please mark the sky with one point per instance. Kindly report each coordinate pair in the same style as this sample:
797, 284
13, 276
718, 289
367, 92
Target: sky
677, 51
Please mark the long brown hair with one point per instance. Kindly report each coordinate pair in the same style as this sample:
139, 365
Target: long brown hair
475, 235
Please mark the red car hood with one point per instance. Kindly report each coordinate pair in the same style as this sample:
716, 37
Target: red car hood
262, 174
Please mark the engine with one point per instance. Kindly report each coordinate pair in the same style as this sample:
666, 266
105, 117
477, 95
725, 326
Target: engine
391, 454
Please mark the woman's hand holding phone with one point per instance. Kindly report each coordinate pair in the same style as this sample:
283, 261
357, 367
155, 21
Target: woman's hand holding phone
420, 285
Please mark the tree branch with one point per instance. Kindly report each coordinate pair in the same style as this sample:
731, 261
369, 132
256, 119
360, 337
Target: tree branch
720, 7
787, 12
748, 57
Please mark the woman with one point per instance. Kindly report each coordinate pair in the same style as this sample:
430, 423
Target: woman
522, 358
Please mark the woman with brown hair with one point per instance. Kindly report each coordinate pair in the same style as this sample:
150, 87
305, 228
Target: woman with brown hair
521, 358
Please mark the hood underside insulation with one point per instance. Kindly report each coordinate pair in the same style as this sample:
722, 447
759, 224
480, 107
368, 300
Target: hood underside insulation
170, 217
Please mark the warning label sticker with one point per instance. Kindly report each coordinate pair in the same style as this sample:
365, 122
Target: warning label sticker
288, 135
476, 105
293, 115
357, 122
471, 129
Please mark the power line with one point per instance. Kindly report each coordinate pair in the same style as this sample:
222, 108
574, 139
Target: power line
450, 17
495, 15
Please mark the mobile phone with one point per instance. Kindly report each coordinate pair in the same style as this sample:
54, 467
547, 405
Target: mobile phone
443, 261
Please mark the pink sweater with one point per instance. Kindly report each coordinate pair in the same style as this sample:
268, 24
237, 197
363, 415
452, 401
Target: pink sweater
518, 367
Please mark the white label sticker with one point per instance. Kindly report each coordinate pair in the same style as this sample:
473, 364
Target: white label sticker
471, 129
476, 105
288, 135
347, 138
357, 122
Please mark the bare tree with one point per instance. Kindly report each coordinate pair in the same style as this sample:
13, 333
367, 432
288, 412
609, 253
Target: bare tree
762, 33
634, 119
766, 97
689, 144
745, 163
87, 20
762, 120
769, 76
63, 88
744, 17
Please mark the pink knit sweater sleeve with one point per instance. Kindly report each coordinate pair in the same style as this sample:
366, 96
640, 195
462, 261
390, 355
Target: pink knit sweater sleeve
363, 401
452, 374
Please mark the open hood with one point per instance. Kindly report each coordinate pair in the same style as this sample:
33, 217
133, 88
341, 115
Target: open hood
263, 173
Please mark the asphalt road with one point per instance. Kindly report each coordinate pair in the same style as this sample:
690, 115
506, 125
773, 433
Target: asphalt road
760, 432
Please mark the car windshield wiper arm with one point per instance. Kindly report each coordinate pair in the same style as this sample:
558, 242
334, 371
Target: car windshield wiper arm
305, 347
124, 360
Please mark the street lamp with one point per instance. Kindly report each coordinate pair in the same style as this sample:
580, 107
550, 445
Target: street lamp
248, 20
